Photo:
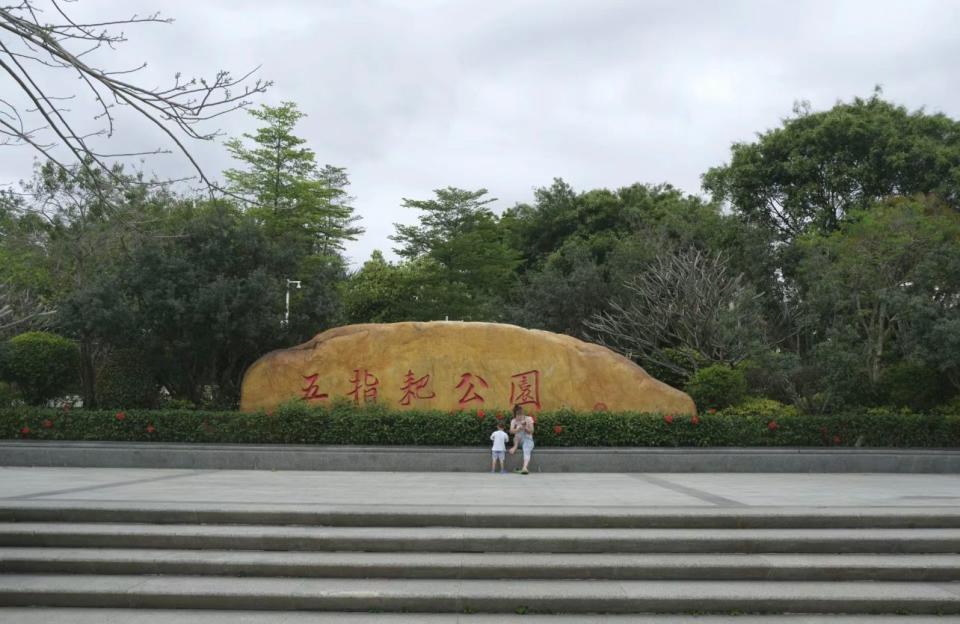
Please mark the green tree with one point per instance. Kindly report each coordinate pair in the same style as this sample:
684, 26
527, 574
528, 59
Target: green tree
811, 173
202, 304
891, 271
465, 266
291, 196
69, 227
540, 229
22, 239
581, 248
602, 218
385, 292
302, 207
570, 288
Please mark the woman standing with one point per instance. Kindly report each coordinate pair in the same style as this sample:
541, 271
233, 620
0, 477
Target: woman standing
521, 426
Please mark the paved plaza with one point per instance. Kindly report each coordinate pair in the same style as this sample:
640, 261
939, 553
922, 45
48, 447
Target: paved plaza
291, 489
148, 546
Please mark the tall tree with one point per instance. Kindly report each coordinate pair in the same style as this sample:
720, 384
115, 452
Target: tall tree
290, 195
385, 292
302, 207
73, 225
571, 287
809, 174
201, 303
464, 265
888, 280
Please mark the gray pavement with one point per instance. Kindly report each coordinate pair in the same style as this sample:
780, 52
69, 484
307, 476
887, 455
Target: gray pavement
114, 538
290, 489
149, 616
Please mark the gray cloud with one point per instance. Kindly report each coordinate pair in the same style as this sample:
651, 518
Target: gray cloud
412, 96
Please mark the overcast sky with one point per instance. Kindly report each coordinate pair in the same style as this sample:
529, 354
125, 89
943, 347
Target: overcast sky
508, 94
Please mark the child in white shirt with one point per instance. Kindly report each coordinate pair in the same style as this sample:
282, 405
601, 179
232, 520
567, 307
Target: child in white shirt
499, 450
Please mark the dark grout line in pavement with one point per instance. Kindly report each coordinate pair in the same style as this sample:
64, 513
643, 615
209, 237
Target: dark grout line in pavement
103, 486
689, 491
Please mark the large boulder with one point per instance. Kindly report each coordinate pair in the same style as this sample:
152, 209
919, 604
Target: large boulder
450, 365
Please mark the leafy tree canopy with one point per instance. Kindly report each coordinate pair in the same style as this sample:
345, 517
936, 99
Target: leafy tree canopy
289, 193
465, 265
818, 167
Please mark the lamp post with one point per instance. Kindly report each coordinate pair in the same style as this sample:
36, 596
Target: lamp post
286, 316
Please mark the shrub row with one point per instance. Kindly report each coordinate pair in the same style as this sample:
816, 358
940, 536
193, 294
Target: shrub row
763, 423
41, 364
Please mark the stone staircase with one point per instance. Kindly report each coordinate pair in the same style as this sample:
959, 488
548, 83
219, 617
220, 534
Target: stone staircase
63, 563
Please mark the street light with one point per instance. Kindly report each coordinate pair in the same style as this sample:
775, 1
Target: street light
286, 315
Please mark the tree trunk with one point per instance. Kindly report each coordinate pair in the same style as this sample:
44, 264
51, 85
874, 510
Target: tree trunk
876, 349
87, 373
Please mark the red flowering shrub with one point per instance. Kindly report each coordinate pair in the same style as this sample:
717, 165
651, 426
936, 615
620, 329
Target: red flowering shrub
121, 416
772, 425
47, 423
481, 414
296, 423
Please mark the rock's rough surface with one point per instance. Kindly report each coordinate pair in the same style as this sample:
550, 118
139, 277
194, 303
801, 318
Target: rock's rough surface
456, 365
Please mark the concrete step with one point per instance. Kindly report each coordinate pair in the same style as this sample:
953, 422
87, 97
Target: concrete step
480, 516
478, 596
445, 539
781, 567
35, 615
474, 458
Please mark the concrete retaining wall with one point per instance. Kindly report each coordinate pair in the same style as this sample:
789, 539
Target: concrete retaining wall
446, 459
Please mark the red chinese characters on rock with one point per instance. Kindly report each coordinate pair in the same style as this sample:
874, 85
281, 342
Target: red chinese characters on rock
412, 388
470, 394
525, 388
364, 385
311, 391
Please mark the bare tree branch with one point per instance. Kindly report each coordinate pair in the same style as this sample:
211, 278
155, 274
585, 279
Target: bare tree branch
687, 308
31, 42
20, 311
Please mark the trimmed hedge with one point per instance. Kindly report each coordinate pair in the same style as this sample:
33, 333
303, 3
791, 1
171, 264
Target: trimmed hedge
42, 365
763, 425
717, 386
125, 380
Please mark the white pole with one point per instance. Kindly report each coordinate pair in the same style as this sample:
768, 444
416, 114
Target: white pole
286, 315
